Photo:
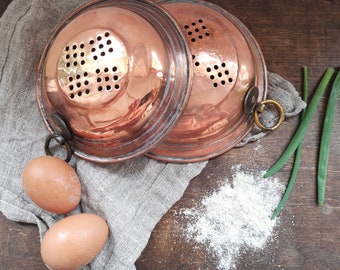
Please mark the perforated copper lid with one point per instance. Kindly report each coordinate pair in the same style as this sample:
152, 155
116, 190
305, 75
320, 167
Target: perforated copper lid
117, 74
229, 79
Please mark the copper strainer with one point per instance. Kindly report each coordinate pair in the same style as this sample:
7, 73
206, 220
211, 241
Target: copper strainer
229, 82
115, 79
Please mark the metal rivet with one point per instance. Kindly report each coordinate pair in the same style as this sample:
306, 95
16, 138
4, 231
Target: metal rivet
250, 100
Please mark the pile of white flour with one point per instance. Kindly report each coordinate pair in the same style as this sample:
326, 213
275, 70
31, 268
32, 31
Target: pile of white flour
235, 217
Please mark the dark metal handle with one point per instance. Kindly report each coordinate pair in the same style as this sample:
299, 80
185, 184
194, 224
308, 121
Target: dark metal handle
62, 142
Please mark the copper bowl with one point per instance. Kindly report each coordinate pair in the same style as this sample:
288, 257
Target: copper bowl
114, 78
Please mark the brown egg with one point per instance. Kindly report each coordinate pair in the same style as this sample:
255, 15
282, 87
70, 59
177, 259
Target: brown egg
74, 241
52, 184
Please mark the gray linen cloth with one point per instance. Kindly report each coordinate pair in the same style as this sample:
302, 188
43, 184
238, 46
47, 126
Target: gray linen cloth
131, 196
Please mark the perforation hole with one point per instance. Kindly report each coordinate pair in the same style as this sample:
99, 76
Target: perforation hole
219, 75
84, 82
78, 83
107, 78
196, 30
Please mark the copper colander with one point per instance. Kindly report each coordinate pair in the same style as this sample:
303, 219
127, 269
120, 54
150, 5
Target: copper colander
176, 80
229, 80
114, 78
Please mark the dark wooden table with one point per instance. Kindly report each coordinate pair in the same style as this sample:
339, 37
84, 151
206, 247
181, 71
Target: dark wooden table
291, 34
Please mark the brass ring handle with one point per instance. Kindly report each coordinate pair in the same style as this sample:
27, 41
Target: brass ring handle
261, 107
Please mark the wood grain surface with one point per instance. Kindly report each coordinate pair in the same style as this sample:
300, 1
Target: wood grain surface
291, 34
